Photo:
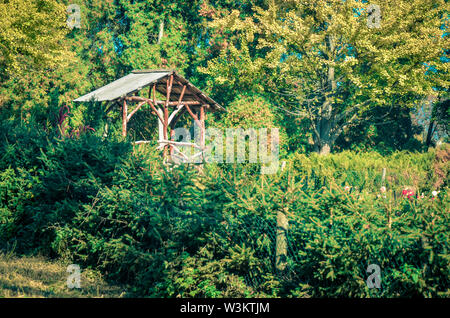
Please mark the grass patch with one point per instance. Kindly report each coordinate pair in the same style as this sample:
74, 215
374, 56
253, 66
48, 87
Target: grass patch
37, 277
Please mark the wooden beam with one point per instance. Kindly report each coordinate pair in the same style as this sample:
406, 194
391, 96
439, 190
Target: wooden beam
193, 115
202, 113
189, 102
173, 120
160, 102
202, 127
143, 99
169, 88
166, 104
179, 143
174, 114
135, 110
179, 151
166, 110
181, 96
156, 112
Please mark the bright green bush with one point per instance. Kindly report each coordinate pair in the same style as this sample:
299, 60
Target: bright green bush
339, 235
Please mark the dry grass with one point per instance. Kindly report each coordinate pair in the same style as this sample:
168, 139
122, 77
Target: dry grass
39, 277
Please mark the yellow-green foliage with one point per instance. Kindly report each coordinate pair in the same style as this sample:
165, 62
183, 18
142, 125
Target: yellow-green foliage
32, 35
252, 112
249, 112
323, 62
365, 169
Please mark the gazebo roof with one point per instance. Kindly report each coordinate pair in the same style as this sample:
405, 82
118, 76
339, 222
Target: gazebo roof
139, 79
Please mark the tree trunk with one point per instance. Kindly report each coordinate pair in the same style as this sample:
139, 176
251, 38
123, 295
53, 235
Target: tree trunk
281, 241
325, 149
161, 31
325, 140
323, 144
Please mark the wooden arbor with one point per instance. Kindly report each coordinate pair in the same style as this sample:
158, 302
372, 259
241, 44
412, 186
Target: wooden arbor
180, 97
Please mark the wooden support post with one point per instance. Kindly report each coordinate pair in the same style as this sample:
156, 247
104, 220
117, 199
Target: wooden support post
166, 112
166, 121
192, 114
202, 127
176, 114
281, 243
181, 96
124, 118
172, 135
154, 94
160, 113
172, 121
383, 177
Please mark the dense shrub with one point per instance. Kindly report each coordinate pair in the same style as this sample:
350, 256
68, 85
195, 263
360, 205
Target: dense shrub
339, 235
180, 231
45, 180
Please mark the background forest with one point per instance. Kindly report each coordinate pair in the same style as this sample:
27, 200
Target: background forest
353, 94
